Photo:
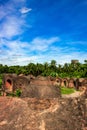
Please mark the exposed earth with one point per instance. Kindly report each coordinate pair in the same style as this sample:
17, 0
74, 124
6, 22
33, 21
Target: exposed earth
66, 113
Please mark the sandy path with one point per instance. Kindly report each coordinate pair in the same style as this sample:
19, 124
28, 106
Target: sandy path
76, 94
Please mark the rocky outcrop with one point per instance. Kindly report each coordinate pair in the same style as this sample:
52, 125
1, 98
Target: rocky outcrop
43, 114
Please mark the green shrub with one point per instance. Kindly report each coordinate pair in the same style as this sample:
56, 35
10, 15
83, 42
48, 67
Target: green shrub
0, 82
17, 93
54, 74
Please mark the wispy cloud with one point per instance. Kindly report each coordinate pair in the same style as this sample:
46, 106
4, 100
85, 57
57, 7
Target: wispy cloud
21, 53
52, 36
25, 10
18, 52
37, 44
42, 44
12, 23
12, 26
77, 42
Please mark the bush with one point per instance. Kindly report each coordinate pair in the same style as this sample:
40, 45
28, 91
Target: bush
1, 76
16, 94
0, 82
54, 74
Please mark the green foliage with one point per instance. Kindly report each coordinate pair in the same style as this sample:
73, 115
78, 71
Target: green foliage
0, 81
67, 90
76, 70
11, 94
17, 93
54, 74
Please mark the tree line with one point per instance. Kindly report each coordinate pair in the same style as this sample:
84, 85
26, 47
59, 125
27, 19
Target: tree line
77, 70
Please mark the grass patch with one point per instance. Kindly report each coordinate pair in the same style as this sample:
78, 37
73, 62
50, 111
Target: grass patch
67, 90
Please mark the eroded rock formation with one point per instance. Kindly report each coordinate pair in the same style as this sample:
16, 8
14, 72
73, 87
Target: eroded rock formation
43, 114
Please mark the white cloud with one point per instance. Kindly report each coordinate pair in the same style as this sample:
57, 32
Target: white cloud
2, 12
39, 49
62, 57
12, 23
25, 10
17, 52
21, 53
11, 27
37, 44
42, 44
77, 42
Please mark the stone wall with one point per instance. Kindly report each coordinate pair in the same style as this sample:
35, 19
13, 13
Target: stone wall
76, 83
40, 87
11, 82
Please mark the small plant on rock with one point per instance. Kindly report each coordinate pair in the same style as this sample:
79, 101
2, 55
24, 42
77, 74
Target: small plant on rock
18, 93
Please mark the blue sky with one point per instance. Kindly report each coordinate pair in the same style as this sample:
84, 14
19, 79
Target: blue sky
42, 30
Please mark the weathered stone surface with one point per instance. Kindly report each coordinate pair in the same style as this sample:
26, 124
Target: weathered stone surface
41, 88
43, 114
43, 108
